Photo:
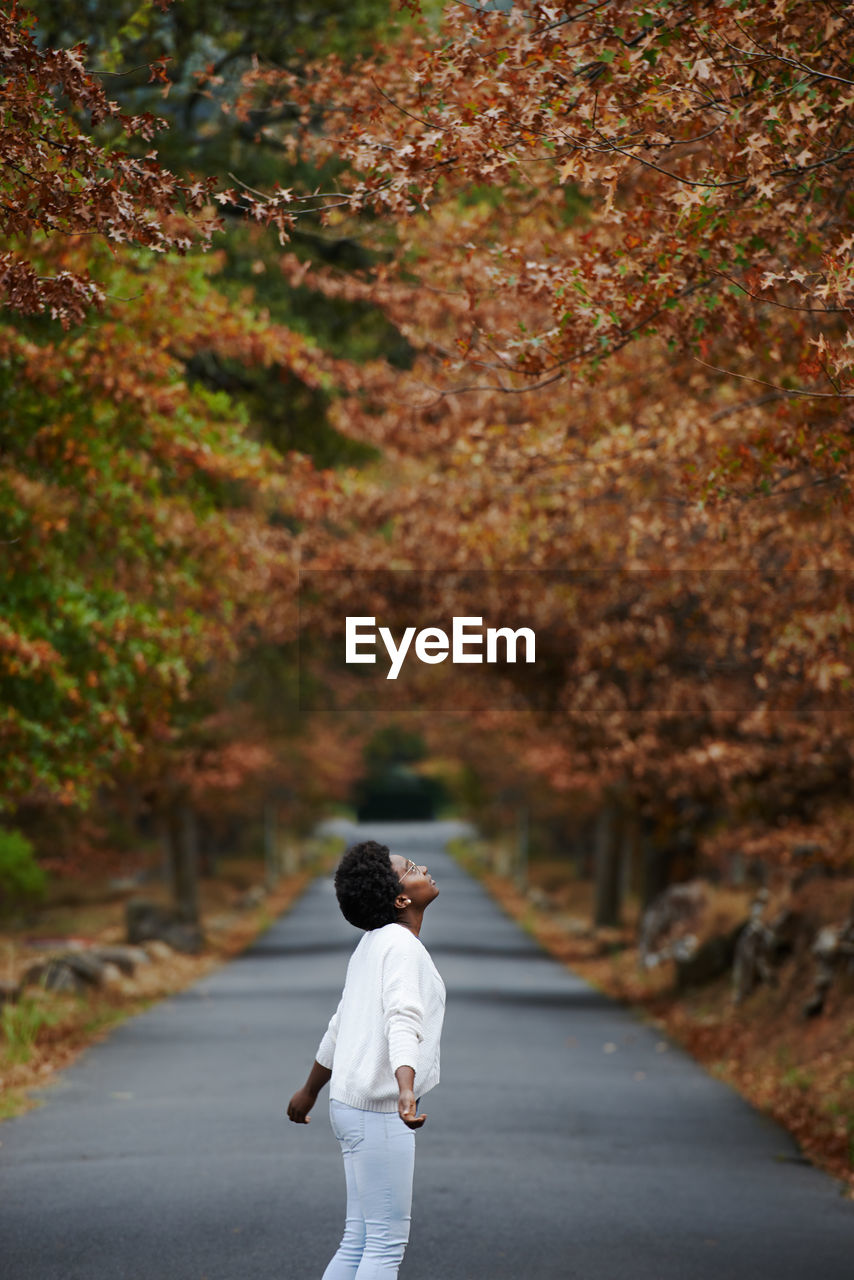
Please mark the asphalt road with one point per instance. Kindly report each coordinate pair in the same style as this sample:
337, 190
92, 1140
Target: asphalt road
566, 1139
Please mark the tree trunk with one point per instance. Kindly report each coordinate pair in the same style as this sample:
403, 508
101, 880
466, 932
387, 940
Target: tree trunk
271, 852
607, 878
583, 847
183, 852
632, 869
522, 843
207, 840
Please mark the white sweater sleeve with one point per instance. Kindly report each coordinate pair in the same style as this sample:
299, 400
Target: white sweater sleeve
403, 1008
326, 1050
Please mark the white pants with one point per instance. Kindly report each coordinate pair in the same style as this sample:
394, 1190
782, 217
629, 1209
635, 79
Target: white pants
379, 1161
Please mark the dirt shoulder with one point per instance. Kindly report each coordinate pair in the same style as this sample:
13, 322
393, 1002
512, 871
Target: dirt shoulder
798, 1071
43, 1031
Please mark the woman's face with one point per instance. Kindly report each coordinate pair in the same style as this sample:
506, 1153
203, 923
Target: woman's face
415, 880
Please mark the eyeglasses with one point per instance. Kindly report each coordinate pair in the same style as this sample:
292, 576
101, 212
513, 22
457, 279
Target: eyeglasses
410, 866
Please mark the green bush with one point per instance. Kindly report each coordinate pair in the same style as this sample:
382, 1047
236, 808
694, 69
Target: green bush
21, 878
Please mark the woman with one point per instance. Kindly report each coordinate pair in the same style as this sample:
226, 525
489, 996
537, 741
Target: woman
380, 1048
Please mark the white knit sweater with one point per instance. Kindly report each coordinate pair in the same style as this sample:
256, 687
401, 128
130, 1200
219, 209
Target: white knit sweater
390, 1015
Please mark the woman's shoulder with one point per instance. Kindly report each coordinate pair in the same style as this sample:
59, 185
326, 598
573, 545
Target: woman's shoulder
394, 936
396, 939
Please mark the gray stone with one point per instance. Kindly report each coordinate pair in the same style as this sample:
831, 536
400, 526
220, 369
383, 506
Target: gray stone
833, 949
187, 938
751, 964
58, 976
157, 949
710, 960
124, 958
148, 921
674, 914
113, 976
145, 920
85, 964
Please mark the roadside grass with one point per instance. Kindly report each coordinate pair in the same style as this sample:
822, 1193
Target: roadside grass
14, 1102
20, 1024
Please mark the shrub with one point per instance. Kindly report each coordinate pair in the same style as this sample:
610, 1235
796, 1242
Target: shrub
21, 878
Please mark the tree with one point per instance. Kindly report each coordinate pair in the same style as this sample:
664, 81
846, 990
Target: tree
58, 181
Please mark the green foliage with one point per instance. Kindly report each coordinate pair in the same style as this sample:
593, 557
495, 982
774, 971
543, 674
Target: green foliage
394, 745
280, 409
204, 48
22, 880
119, 496
283, 411
391, 787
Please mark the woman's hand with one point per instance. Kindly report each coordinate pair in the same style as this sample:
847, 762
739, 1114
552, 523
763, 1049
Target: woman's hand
305, 1098
406, 1108
300, 1105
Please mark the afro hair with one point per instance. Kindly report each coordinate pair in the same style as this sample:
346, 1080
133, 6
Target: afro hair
366, 886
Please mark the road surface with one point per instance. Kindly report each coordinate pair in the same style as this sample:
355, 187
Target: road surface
566, 1141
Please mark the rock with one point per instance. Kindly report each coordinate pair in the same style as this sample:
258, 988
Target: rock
34, 974
709, 960
58, 976
666, 922
158, 950
9, 993
124, 958
113, 976
685, 948
148, 921
826, 942
187, 938
85, 964
145, 920
833, 949
762, 946
785, 929
79, 971
76, 971
751, 964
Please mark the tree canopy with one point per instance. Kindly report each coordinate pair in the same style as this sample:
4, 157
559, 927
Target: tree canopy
563, 288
